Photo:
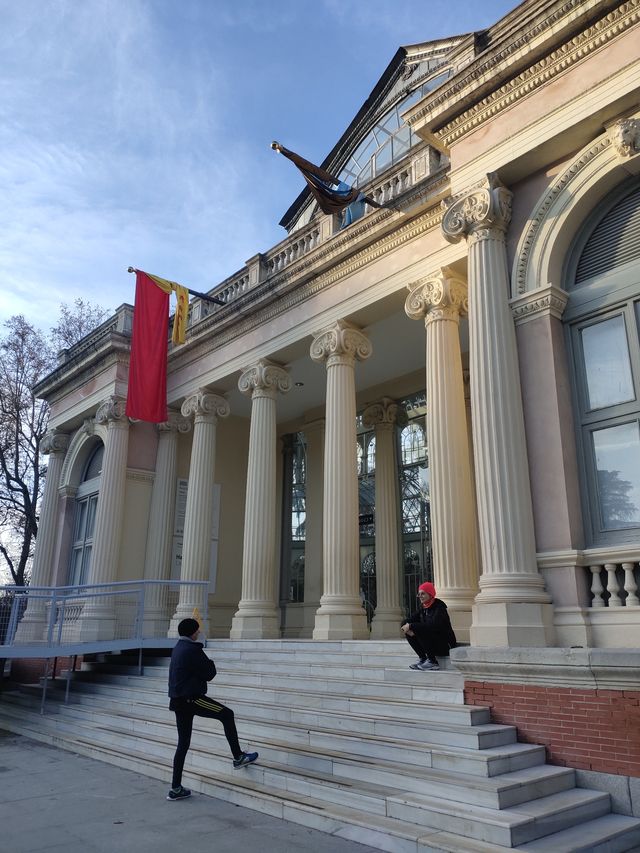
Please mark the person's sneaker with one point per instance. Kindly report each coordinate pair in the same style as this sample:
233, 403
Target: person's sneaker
245, 758
416, 665
428, 666
179, 793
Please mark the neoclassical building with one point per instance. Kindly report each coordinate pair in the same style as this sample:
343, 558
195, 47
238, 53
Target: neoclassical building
448, 387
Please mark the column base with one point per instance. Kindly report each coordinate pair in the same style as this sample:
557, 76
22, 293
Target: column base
93, 626
185, 611
255, 620
341, 626
510, 624
386, 624
32, 627
155, 625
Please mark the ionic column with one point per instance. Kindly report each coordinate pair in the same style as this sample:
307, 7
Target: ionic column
440, 299
198, 518
258, 615
33, 622
384, 416
512, 608
98, 615
157, 562
340, 615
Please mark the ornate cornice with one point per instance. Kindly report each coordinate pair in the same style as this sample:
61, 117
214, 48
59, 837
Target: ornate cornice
440, 296
54, 442
264, 378
340, 343
480, 212
548, 300
386, 413
111, 411
203, 405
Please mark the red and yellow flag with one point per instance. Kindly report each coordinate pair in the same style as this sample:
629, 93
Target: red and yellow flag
147, 392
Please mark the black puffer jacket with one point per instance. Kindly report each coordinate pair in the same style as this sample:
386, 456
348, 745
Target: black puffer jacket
434, 620
190, 669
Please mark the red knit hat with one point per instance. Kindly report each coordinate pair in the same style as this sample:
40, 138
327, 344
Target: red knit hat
428, 587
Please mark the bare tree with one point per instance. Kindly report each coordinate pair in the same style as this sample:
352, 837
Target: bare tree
26, 356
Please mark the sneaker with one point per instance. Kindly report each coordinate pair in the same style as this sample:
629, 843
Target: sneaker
416, 665
245, 758
178, 793
428, 666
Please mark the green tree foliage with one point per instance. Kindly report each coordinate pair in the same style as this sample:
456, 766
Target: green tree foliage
27, 355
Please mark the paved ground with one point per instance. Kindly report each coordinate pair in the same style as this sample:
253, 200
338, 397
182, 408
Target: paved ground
55, 801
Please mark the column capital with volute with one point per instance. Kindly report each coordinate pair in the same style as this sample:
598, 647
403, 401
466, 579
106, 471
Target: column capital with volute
111, 411
442, 295
205, 406
264, 379
54, 442
175, 423
387, 413
340, 343
481, 212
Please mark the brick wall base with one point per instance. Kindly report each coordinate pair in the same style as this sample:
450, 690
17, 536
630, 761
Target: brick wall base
584, 729
31, 670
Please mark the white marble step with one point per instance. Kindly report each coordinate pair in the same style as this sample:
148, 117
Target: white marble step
478, 824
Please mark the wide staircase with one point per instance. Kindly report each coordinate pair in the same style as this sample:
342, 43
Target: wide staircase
351, 742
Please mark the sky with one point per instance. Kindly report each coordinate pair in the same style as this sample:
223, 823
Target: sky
137, 132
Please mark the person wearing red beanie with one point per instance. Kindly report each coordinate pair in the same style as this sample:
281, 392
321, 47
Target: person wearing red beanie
428, 631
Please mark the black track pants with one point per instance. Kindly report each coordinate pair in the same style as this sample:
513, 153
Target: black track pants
185, 710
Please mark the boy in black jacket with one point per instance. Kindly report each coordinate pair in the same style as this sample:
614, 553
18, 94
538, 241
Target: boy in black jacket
428, 631
189, 671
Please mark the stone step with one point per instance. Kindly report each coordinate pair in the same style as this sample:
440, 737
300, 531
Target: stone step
486, 762
508, 827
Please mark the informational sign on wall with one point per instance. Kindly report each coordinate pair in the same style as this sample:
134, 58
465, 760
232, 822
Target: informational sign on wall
178, 532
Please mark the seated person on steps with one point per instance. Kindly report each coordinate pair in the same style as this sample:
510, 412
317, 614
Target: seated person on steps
428, 631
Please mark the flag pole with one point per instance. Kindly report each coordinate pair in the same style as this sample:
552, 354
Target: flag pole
197, 293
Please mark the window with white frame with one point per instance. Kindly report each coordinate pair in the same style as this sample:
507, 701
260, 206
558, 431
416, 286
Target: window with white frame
84, 518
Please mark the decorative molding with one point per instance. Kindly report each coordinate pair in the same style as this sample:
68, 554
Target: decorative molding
205, 405
176, 423
625, 137
386, 413
481, 212
443, 295
342, 341
54, 442
111, 411
138, 475
549, 300
537, 220
264, 377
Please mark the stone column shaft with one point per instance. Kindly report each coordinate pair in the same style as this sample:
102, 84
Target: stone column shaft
33, 622
258, 613
384, 416
512, 607
441, 298
340, 615
196, 550
157, 564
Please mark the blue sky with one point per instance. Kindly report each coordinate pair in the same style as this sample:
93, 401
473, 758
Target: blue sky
137, 131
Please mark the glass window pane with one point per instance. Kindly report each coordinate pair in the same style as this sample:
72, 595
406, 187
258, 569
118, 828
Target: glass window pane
81, 519
617, 453
606, 362
91, 519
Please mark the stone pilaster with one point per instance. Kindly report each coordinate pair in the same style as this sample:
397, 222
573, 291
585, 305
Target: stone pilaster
512, 608
98, 615
32, 624
441, 299
205, 408
340, 615
157, 563
258, 615
384, 416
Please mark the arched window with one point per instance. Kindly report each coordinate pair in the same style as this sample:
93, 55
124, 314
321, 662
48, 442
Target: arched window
371, 455
85, 517
413, 445
603, 318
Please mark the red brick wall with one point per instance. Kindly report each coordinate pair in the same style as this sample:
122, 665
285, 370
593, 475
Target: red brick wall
31, 670
583, 729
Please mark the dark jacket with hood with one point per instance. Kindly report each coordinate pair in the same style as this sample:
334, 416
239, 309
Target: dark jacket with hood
189, 670
435, 621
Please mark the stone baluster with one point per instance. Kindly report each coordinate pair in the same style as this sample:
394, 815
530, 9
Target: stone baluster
512, 608
258, 615
596, 586
384, 417
613, 587
205, 408
630, 585
340, 615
